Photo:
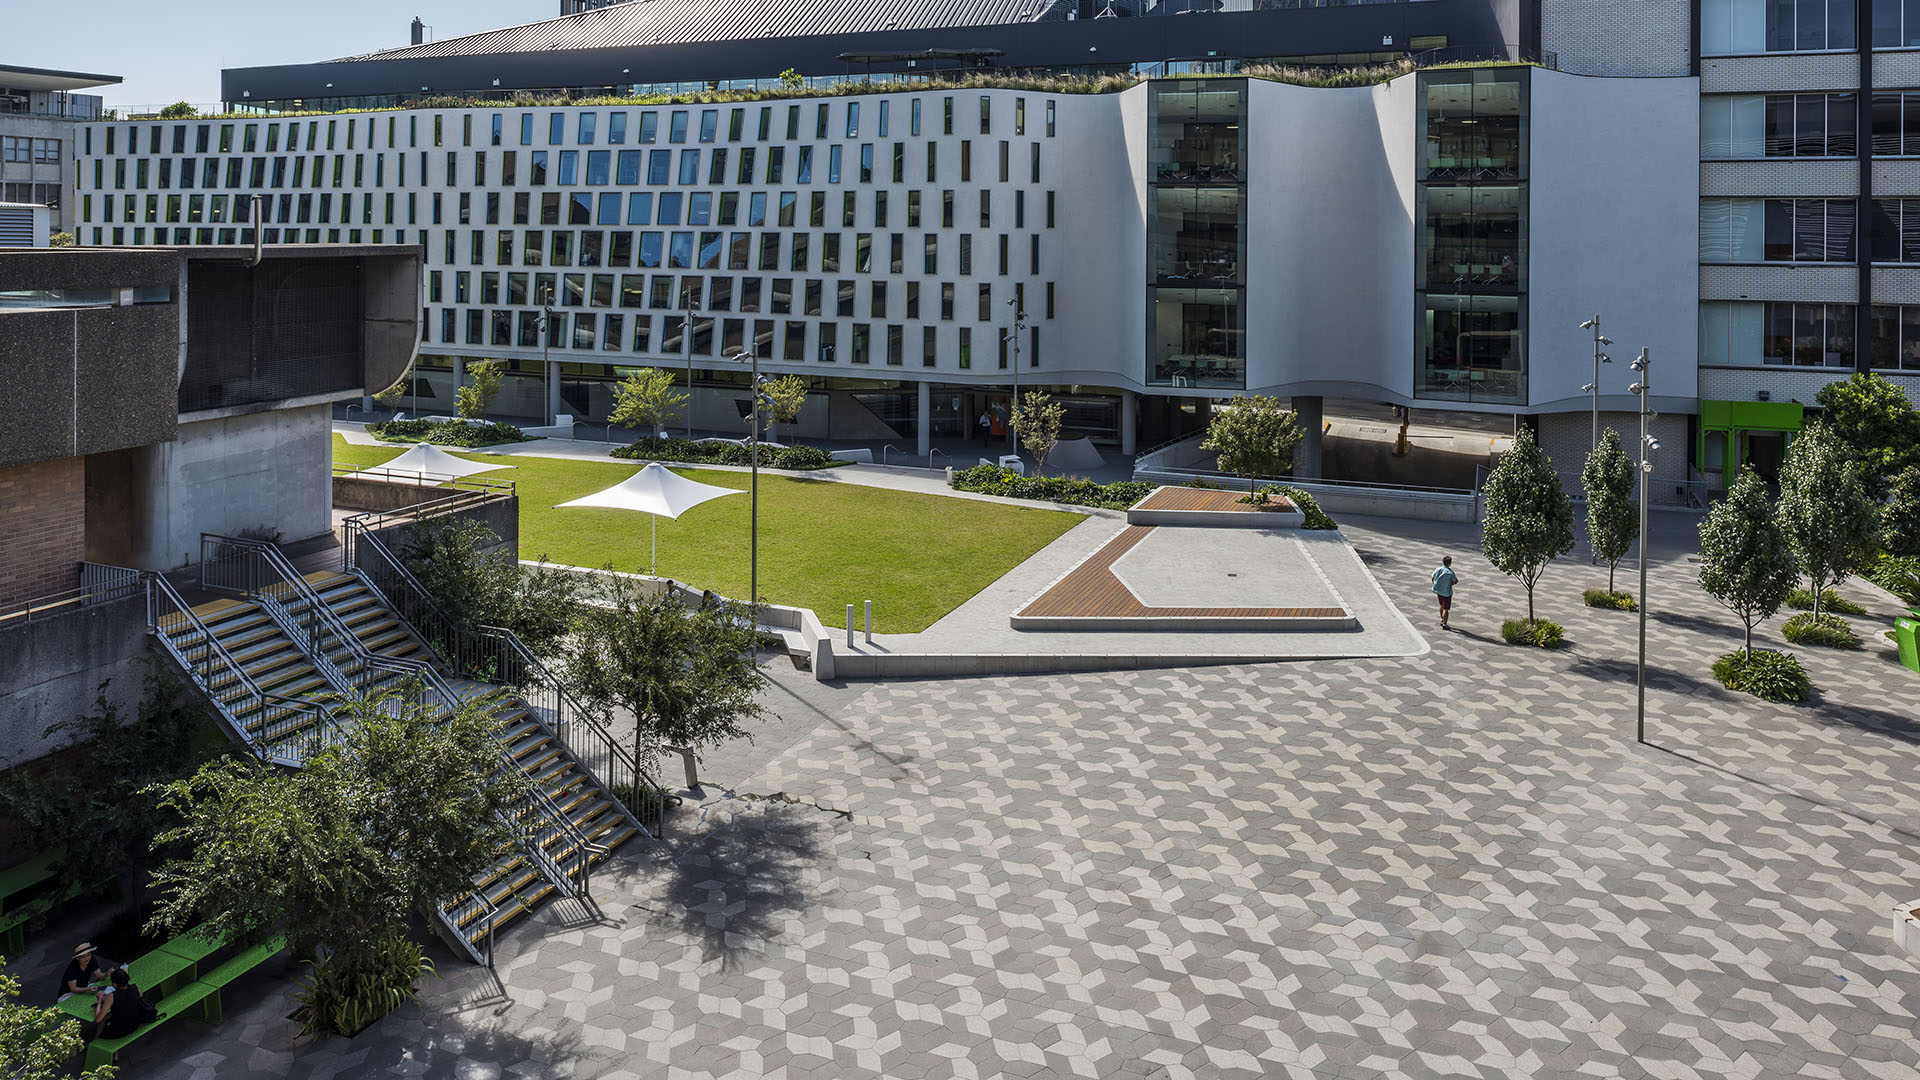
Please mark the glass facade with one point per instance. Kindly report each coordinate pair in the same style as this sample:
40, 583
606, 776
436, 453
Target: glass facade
1471, 272
1196, 233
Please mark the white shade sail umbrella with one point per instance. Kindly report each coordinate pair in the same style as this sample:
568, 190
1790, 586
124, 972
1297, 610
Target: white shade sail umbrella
426, 461
655, 490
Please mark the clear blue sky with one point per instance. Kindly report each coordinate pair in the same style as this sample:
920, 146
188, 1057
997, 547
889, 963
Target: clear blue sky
174, 52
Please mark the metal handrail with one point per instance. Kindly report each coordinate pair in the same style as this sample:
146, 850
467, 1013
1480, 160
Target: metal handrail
511, 663
99, 584
932, 450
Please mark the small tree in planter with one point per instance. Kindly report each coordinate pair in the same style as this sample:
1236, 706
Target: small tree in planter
1745, 561
36, 1043
1830, 522
395, 818
788, 394
1529, 517
1256, 437
472, 402
1037, 420
690, 678
647, 397
390, 397
1612, 518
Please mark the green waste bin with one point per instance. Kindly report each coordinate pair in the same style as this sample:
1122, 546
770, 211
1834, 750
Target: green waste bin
1906, 634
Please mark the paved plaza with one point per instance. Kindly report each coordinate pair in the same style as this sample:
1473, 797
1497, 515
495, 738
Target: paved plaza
1450, 865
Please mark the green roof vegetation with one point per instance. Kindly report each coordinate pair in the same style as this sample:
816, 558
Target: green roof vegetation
1323, 77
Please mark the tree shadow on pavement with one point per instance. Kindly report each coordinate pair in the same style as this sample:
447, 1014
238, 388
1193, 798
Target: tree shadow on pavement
732, 889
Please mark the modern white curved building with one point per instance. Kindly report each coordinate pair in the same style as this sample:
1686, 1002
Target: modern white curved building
1432, 241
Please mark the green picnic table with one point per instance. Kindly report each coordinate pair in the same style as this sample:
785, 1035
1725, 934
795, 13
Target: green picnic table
200, 993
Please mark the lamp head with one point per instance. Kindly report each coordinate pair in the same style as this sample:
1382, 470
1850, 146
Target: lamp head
741, 357
1605, 340
1639, 364
1605, 359
1590, 323
1637, 388
1652, 443
1588, 388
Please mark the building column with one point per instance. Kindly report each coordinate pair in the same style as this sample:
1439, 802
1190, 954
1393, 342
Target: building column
553, 391
1129, 420
1310, 412
459, 380
925, 426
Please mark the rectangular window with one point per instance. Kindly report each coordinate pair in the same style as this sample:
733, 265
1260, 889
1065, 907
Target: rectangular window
709, 124
556, 129
616, 128
677, 126
649, 126
586, 126
1737, 27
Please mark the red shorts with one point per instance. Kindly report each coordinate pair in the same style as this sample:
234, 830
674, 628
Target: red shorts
1446, 602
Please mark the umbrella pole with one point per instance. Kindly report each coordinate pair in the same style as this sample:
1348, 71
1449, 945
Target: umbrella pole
653, 561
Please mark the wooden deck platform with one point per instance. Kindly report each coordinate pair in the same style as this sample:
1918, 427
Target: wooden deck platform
1213, 499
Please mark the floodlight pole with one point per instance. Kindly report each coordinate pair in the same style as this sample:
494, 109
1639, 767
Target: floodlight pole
1013, 337
753, 543
1593, 388
1648, 445
686, 340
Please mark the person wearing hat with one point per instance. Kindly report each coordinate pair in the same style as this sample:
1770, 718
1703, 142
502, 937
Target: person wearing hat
82, 971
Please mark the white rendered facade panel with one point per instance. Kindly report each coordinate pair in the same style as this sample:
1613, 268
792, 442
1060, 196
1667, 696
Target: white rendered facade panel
1614, 235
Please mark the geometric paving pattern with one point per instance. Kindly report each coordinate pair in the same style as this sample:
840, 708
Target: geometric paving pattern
1458, 865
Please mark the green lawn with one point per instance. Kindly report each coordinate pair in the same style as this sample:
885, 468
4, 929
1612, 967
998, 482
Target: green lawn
823, 544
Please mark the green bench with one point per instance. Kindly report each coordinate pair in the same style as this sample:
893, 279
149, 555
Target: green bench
18, 879
201, 995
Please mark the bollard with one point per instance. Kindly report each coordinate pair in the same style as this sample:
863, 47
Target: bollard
869, 622
849, 626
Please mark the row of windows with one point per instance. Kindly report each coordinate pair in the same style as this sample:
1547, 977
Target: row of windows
692, 292
31, 194
30, 151
1748, 127
1736, 27
1807, 335
603, 168
1777, 230
579, 208
780, 340
681, 124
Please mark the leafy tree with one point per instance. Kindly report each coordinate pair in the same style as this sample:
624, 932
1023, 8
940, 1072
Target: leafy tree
179, 110
1037, 419
1529, 517
472, 401
690, 678
1830, 522
791, 80
1255, 437
787, 395
1877, 424
396, 817
1745, 561
391, 396
477, 580
1900, 516
107, 821
1613, 519
37, 1044
61, 240
646, 397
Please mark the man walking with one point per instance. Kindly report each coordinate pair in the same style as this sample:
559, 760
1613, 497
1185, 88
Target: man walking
1444, 579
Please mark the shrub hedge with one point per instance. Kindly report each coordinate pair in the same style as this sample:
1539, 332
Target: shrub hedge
1830, 601
720, 452
1830, 631
1614, 601
1072, 490
1541, 633
1899, 575
1768, 675
1316, 517
449, 432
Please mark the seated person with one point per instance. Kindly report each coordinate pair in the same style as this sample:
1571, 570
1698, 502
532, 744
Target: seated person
120, 1009
82, 971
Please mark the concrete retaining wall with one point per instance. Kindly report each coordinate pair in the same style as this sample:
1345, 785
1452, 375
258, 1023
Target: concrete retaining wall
51, 669
1337, 499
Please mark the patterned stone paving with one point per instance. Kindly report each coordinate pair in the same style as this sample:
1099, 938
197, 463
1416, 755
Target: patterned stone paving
1458, 865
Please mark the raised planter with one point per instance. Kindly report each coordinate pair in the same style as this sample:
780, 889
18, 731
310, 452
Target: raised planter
1906, 927
1215, 509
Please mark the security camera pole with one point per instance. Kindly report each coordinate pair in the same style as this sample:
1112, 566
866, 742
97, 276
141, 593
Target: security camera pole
1593, 388
1648, 444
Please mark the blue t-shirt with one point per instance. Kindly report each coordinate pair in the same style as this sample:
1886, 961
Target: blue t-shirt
1443, 581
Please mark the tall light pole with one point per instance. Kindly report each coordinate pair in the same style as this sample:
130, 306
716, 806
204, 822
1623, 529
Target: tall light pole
753, 572
546, 364
686, 340
1648, 444
1593, 388
1013, 337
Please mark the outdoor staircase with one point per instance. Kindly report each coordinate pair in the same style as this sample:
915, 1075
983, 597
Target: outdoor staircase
272, 657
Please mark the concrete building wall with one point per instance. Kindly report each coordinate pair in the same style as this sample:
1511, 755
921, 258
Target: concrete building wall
1746, 179
1596, 248
53, 669
1788, 384
1833, 283
1779, 73
1610, 37
1330, 249
43, 539
1568, 437
260, 473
